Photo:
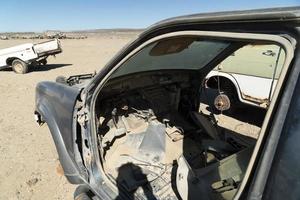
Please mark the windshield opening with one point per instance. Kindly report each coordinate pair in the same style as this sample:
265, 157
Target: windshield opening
191, 53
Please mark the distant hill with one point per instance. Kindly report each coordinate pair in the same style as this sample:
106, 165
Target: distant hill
107, 30
76, 31
76, 34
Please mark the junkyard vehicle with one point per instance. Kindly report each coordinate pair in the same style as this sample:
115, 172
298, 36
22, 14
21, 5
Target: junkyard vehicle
21, 56
247, 69
134, 130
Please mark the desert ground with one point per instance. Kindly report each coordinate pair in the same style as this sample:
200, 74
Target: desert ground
29, 163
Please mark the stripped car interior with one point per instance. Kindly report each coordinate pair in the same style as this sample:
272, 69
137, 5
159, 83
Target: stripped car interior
154, 141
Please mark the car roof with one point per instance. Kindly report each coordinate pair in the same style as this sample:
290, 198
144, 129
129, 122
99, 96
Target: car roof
282, 14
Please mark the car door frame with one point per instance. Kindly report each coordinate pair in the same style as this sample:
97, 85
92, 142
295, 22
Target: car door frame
270, 143
91, 92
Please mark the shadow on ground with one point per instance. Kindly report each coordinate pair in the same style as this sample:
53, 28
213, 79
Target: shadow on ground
40, 68
130, 178
245, 113
47, 67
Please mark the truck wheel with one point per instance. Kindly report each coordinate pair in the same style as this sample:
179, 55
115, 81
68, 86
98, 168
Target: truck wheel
82, 193
44, 62
19, 66
82, 196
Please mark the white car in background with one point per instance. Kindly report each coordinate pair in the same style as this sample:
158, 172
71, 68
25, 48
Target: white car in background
21, 56
249, 76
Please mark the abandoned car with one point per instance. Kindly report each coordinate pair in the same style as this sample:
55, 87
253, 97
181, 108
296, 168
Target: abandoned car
135, 129
240, 77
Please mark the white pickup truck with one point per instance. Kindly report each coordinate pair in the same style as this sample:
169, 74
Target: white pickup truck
21, 56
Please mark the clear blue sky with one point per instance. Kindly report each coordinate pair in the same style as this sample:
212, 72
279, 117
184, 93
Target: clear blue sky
40, 15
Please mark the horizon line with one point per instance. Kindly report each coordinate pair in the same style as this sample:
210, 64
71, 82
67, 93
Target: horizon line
78, 30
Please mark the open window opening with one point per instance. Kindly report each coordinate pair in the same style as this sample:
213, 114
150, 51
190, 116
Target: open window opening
164, 123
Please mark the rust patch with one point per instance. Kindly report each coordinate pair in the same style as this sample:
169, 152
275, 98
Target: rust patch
261, 102
59, 170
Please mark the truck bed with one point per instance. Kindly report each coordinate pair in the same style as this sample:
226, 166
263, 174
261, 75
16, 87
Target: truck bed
47, 48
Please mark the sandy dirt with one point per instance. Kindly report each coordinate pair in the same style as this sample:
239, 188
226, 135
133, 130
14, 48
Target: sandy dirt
29, 163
